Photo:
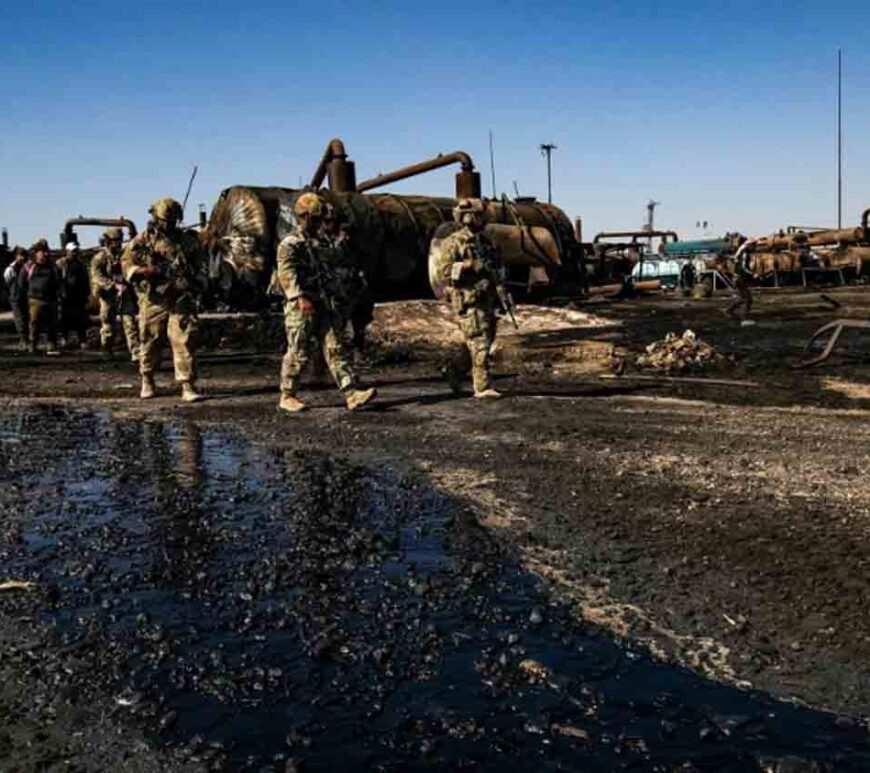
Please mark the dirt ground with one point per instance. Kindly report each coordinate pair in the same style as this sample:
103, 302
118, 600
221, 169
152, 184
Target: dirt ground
705, 545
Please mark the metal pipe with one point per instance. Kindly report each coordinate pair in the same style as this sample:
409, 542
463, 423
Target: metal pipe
334, 149
621, 234
457, 157
865, 219
5, 239
117, 222
812, 239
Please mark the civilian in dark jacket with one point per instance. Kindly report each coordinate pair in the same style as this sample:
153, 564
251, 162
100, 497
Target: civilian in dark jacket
18, 300
75, 292
42, 285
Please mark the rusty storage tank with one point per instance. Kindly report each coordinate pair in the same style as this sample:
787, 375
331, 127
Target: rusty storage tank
391, 233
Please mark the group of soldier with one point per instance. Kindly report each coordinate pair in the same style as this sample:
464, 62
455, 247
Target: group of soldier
152, 287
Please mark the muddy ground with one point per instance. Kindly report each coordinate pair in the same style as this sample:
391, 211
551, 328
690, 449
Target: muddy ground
593, 573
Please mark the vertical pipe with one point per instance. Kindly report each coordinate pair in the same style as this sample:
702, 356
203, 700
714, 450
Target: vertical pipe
5, 238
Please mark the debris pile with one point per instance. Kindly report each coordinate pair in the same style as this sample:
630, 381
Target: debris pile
678, 353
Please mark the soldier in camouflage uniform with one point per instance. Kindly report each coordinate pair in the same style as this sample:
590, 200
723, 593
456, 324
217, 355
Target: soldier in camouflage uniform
319, 282
117, 298
165, 266
472, 271
362, 305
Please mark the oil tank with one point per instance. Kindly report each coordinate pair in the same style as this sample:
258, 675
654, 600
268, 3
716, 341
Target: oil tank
391, 234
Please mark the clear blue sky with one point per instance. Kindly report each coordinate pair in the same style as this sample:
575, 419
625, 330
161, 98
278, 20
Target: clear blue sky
722, 111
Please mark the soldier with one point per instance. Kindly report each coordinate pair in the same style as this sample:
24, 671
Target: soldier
40, 282
117, 297
165, 266
17, 298
472, 271
318, 281
74, 296
361, 305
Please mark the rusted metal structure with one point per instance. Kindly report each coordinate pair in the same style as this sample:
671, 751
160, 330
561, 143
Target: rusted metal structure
833, 330
614, 260
845, 251
391, 233
68, 233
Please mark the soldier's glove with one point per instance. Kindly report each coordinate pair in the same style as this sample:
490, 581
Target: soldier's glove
305, 306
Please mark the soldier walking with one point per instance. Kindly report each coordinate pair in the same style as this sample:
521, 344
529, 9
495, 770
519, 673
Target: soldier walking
74, 296
165, 266
473, 274
117, 298
319, 282
361, 304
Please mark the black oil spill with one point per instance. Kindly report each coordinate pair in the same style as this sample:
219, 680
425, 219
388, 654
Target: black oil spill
251, 609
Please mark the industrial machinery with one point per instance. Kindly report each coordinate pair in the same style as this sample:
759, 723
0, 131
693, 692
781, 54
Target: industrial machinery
842, 251
613, 261
391, 233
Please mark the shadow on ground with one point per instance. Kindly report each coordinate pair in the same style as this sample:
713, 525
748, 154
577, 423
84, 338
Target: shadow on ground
253, 608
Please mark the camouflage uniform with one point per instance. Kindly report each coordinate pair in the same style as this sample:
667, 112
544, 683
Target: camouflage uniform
471, 269
167, 300
116, 298
320, 269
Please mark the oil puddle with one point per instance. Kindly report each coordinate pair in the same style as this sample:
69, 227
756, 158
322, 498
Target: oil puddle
264, 610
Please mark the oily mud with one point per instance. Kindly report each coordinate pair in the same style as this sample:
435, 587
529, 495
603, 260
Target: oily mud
201, 602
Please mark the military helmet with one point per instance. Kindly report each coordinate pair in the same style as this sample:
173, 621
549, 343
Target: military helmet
309, 204
475, 207
112, 235
166, 209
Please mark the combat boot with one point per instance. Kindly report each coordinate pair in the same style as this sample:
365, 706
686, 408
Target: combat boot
148, 388
451, 376
488, 394
291, 403
357, 398
189, 393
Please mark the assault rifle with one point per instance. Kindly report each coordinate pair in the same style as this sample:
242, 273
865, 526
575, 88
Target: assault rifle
506, 301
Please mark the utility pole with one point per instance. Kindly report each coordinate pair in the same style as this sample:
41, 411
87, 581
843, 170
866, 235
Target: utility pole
839, 138
492, 163
547, 149
650, 220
